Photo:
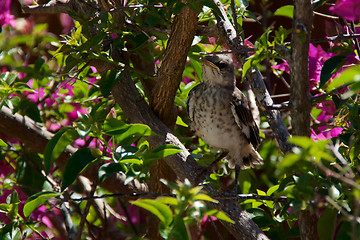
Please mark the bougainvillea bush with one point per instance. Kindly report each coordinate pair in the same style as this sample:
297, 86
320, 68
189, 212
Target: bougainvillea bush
77, 164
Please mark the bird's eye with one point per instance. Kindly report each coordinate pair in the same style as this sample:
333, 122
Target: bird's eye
222, 65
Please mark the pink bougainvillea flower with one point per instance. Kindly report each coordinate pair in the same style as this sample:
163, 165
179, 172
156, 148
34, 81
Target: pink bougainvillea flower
73, 115
317, 58
67, 23
348, 9
6, 18
41, 215
212, 40
247, 43
36, 95
207, 219
187, 80
327, 134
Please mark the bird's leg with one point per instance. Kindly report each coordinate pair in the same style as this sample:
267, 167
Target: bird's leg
203, 172
237, 172
221, 156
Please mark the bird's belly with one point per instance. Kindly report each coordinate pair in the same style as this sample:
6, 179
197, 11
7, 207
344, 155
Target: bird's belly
217, 130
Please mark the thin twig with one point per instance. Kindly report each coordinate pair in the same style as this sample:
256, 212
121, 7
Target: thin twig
341, 210
216, 229
128, 217
85, 213
335, 38
155, 195
337, 175
325, 15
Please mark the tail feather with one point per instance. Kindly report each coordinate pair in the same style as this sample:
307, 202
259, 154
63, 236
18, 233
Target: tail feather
252, 160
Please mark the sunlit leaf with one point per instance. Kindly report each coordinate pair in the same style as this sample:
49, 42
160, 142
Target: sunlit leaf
349, 76
205, 197
36, 200
162, 211
219, 215
285, 11
2, 143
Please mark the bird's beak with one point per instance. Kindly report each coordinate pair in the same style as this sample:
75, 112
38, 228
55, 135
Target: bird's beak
210, 64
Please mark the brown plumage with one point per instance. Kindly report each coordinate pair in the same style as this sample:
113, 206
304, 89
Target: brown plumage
220, 113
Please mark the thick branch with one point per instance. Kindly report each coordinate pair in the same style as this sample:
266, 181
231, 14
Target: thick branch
299, 68
300, 95
255, 78
61, 6
36, 138
183, 164
183, 30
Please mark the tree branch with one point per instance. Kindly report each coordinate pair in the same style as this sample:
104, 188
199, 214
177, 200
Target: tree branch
36, 138
183, 30
299, 94
255, 79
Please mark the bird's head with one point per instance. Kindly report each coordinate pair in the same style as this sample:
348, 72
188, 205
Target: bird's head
218, 70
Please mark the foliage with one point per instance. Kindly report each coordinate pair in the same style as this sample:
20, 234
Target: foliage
52, 80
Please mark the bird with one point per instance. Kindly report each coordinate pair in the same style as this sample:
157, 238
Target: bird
220, 114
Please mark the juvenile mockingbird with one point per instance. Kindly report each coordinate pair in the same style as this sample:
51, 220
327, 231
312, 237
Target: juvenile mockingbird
220, 114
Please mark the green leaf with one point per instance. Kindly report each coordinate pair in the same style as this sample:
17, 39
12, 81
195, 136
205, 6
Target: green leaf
161, 152
27, 173
349, 76
37, 199
219, 215
168, 200
13, 205
109, 169
304, 142
108, 81
4, 207
272, 189
76, 164
57, 145
162, 211
126, 133
212, 6
179, 231
331, 66
285, 11
132, 159
205, 197
289, 160
180, 122
326, 224
2, 143
30, 109
248, 65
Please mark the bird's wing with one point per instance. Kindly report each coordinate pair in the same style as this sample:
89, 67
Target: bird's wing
190, 102
244, 119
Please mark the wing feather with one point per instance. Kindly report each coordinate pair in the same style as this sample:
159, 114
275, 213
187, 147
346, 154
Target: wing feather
244, 119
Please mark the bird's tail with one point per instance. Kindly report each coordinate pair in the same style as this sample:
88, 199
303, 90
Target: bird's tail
252, 159
249, 158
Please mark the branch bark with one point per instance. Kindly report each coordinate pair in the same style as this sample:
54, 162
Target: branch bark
255, 78
299, 94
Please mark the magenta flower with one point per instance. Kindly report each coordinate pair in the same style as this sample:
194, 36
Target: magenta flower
6, 18
348, 9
